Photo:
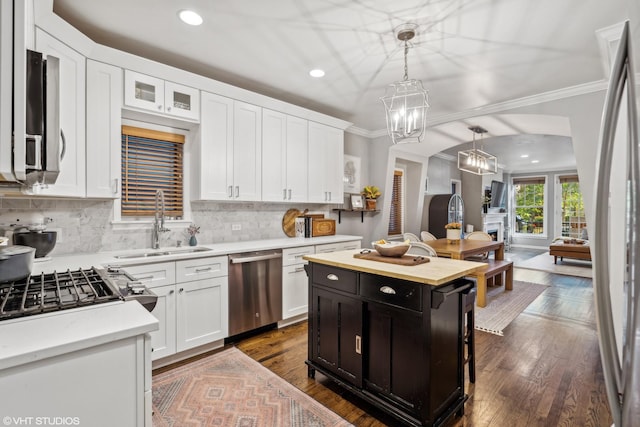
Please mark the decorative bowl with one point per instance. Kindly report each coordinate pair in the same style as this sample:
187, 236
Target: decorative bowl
392, 249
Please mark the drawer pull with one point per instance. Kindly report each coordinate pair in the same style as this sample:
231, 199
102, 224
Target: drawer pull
145, 278
298, 269
200, 270
332, 277
388, 290
358, 344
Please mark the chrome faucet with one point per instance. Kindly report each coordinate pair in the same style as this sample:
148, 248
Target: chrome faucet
158, 224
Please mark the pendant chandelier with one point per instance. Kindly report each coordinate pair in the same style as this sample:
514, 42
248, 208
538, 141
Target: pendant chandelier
477, 161
406, 102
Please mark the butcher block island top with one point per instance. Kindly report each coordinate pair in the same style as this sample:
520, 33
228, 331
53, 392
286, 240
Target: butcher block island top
436, 272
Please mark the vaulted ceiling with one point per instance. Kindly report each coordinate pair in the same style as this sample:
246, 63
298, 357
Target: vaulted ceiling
468, 53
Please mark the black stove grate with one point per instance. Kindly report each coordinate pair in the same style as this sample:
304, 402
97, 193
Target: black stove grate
55, 291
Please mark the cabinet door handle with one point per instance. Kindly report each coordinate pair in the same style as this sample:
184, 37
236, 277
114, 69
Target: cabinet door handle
171, 292
289, 194
114, 186
168, 108
358, 344
230, 191
284, 194
329, 195
237, 191
332, 277
159, 107
181, 290
388, 290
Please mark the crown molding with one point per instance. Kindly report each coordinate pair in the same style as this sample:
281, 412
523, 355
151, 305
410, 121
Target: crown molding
447, 157
568, 92
526, 101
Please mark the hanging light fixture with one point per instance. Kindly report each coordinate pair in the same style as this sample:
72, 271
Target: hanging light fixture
477, 161
406, 102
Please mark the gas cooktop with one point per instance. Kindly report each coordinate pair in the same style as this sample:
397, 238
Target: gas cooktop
56, 291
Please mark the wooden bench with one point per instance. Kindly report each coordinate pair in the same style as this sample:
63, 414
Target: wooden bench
492, 271
569, 250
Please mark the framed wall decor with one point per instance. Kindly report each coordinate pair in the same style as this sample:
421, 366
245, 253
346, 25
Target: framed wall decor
356, 201
351, 174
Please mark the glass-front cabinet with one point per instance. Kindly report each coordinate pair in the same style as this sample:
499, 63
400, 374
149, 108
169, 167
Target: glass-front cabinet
157, 95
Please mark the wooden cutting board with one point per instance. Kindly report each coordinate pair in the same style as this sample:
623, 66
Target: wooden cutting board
403, 260
289, 221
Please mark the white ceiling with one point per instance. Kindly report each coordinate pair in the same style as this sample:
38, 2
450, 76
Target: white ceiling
468, 53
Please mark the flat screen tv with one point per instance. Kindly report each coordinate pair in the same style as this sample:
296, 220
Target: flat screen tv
498, 194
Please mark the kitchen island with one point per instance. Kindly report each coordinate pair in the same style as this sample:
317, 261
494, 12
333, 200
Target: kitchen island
391, 334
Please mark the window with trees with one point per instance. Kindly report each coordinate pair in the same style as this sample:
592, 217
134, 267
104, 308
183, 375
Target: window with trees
573, 218
529, 205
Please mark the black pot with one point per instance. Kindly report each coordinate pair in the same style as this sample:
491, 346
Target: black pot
16, 263
42, 241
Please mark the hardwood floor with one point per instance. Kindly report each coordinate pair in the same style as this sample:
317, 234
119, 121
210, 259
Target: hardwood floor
544, 371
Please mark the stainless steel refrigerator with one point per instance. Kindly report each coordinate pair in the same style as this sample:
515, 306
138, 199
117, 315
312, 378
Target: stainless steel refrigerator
616, 240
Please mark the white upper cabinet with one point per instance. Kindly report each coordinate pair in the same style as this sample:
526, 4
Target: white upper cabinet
104, 106
71, 180
215, 145
325, 162
160, 96
228, 155
284, 150
182, 101
247, 151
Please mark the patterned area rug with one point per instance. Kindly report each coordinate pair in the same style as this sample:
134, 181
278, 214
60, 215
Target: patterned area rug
504, 306
231, 389
568, 266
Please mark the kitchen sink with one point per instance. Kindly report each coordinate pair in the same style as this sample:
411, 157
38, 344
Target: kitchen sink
161, 253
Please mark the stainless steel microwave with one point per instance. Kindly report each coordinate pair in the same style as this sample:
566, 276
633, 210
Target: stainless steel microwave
31, 140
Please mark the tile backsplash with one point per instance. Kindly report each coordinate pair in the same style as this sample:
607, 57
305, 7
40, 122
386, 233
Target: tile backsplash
87, 225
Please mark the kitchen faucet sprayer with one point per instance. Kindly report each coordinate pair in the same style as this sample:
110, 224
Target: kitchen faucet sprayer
158, 224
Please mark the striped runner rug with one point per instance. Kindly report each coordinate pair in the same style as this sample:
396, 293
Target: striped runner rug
231, 389
503, 306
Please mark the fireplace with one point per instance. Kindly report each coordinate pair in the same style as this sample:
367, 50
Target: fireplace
493, 224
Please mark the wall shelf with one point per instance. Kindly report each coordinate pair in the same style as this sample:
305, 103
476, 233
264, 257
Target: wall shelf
362, 212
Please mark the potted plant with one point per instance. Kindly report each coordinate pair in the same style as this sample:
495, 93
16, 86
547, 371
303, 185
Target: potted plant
371, 193
453, 232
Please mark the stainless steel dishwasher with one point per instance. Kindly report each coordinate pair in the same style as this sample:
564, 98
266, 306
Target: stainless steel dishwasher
255, 290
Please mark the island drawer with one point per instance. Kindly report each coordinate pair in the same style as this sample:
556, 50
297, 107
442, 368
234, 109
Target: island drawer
336, 278
391, 291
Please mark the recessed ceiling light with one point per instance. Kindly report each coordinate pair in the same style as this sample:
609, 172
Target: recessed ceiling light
524, 156
535, 161
317, 72
190, 17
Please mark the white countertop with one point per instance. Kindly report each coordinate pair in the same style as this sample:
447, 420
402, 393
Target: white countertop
41, 336
77, 261
32, 338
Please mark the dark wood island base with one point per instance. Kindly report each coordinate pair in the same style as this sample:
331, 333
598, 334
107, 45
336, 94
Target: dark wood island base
395, 343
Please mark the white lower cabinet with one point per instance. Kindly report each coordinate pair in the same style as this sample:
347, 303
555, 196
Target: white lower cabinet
202, 313
163, 341
295, 289
295, 299
193, 300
